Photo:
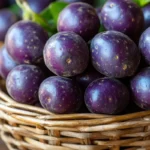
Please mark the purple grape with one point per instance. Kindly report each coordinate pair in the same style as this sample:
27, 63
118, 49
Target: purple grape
23, 82
106, 96
140, 86
25, 42
144, 45
80, 18
6, 63
7, 19
146, 13
88, 76
60, 95
124, 16
73, 1
39, 5
114, 54
66, 54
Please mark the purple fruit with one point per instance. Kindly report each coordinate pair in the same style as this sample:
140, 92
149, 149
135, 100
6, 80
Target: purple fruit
25, 42
80, 18
106, 96
6, 63
124, 16
73, 1
60, 95
140, 86
144, 45
66, 54
39, 5
23, 83
146, 13
98, 10
114, 54
7, 19
88, 76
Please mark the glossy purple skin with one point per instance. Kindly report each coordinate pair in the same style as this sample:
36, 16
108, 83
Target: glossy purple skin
25, 42
98, 10
106, 96
7, 19
23, 82
87, 77
124, 16
66, 54
114, 54
73, 1
146, 13
144, 45
60, 95
39, 5
140, 86
6, 63
80, 18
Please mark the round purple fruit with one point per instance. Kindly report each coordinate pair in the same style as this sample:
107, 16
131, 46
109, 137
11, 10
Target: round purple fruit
23, 83
146, 13
88, 76
73, 1
124, 16
7, 19
140, 86
60, 95
80, 18
106, 96
25, 42
144, 45
114, 54
39, 5
66, 54
6, 63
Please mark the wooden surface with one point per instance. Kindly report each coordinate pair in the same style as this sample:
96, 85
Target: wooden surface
2, 146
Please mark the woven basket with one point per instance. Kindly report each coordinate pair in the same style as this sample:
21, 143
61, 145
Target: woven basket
25, 127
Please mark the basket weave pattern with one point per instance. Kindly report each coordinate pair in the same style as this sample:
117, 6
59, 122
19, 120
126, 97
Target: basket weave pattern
24, 127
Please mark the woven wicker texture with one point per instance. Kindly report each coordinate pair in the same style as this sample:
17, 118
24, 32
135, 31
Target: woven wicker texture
25, 127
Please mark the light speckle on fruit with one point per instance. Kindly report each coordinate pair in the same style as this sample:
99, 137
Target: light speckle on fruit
69, 61
116, 57
125, 67
111, 5
49, 100
133, 19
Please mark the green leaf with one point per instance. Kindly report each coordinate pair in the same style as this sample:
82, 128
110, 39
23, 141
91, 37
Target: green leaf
102, 28
28, 14
141, 3
99, 3
46, 13
15, 9
56, 8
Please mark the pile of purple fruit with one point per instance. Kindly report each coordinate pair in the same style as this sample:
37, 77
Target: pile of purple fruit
96, 59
